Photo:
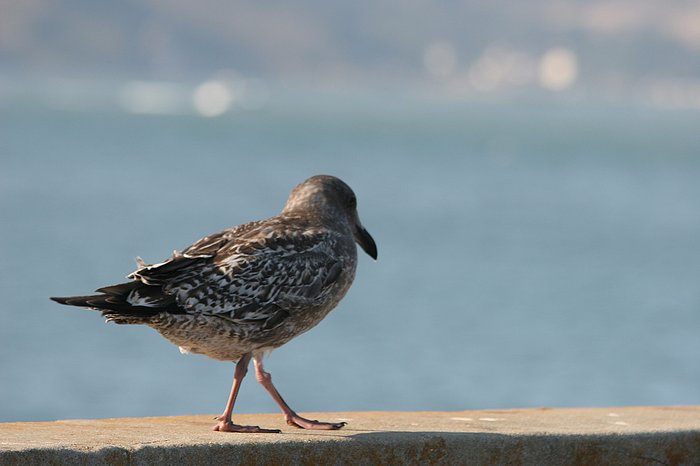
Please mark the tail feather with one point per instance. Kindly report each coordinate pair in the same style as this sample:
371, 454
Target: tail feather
121, 289
115, 306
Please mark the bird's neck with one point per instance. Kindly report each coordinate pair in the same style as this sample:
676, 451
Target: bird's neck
316, 217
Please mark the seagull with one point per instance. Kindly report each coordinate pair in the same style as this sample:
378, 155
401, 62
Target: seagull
238, 294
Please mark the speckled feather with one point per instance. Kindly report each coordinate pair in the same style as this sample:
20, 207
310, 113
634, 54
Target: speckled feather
257, 284
248, 288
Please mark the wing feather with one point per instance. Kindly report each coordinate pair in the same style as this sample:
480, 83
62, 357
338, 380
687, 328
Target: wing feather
257, 274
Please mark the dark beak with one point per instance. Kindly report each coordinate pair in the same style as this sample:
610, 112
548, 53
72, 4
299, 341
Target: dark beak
366, 242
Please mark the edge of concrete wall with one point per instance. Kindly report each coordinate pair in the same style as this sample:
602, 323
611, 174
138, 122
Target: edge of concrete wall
642, 435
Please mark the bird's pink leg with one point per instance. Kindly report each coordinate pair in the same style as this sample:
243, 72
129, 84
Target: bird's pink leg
292, 418
225, 424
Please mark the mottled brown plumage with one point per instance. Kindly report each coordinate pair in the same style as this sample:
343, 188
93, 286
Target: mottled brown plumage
246, 290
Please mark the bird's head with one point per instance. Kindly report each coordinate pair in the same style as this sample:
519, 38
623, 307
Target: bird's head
329, 197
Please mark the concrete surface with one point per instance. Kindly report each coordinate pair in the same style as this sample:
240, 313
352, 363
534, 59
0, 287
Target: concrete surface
615, 436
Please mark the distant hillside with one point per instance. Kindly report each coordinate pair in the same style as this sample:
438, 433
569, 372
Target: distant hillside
615, 42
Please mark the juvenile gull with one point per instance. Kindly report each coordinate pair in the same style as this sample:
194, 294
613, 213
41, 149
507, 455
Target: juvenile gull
242, 292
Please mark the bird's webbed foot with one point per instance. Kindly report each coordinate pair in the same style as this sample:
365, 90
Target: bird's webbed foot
303, 423
228, 426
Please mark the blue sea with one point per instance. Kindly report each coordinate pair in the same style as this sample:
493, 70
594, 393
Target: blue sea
533, 251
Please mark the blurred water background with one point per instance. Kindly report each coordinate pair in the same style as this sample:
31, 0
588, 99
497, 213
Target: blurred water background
539, 237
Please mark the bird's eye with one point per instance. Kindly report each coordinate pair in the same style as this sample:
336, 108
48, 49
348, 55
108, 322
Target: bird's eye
352, 202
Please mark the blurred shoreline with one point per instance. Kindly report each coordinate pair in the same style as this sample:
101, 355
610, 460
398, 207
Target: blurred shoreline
224, 96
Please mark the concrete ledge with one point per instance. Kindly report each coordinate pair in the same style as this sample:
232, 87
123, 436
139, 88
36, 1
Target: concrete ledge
636, 436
